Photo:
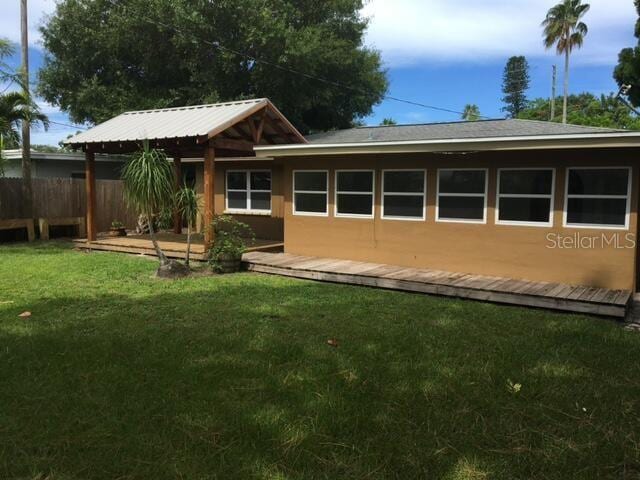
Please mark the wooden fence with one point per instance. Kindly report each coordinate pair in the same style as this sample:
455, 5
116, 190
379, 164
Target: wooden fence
65, 197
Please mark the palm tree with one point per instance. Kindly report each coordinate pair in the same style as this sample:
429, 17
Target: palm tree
388, 122
6, 50
563, 28
148, 188
187, 203
16, 107
471, 112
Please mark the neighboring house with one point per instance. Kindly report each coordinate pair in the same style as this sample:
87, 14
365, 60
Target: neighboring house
504, 198
62, 165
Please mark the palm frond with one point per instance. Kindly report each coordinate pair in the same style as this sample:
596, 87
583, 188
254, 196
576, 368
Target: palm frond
187, 204
148, 181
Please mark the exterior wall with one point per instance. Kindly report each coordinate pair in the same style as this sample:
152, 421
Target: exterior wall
488, 249
269, 227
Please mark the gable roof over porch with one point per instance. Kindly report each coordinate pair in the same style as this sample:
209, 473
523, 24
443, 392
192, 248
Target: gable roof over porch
234, 128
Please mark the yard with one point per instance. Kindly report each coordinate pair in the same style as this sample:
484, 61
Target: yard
117, 375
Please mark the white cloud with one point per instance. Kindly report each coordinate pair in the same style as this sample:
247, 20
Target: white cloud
411, 31
10, 19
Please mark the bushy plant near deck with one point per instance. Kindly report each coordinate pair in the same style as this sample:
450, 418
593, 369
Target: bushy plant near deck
120, 375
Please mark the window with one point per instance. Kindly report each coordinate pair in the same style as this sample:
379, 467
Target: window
310, 192
248, 191
403, 194
525, 197
597, 197
462, 195
354, 193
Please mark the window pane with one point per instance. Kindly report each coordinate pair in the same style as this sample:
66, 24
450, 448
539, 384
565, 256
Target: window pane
311, 202
404, 182
237, 200
355, 204
314, 181
524, 209
462, 208
462, 181
260, 180
260, 201
597, 211
355, 181
609, 181
236, 181
522, 182
403, 206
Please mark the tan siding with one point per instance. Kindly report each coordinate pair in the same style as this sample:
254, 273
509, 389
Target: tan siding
486, 249
265, 227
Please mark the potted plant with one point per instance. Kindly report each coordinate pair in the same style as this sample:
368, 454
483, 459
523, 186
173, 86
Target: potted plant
230, 242
117, 229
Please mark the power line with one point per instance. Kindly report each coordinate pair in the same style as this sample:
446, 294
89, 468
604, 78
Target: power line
68, 125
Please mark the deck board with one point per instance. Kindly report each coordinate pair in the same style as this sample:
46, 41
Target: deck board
556, 296
173, 245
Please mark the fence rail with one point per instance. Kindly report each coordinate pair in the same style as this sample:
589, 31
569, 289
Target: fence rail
65, 197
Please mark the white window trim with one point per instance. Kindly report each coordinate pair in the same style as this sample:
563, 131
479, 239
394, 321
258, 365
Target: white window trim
627, 197
247, 190
485, 195
405, 194
302, 213
372, 193
550, 196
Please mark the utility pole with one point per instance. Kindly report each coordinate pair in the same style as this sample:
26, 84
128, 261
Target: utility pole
553, 92
26, 130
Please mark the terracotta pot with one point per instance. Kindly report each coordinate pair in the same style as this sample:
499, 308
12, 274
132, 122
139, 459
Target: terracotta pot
229, 263
118, 232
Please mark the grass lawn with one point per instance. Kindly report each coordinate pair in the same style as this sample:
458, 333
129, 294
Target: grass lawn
117, 375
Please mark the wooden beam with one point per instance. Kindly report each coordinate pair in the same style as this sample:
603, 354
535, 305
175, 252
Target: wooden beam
281, 130
256, 131
229, 144
177, 172
240, 129
90, 186
209, 180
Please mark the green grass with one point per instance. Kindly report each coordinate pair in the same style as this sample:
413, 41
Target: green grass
117, 375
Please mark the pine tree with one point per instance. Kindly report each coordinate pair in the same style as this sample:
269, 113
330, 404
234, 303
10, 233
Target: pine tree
515, 82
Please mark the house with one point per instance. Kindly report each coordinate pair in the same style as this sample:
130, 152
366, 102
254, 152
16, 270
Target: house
61, 165
508, 198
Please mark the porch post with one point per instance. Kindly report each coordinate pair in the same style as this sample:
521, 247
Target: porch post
209, 179
177, 170
90, 189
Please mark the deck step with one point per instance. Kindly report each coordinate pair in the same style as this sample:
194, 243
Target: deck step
554, 296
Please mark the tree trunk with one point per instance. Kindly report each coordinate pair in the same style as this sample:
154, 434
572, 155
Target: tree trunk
154, 240
566, 86
186, 260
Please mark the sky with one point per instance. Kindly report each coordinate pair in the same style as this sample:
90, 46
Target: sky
441, 53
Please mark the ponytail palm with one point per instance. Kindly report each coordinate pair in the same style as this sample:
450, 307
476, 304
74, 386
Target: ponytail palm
148, 187
187, 204
563, 28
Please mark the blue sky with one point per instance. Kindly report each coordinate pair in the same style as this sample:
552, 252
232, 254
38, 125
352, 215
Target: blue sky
438, 52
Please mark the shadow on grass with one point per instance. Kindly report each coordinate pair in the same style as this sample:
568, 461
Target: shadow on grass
233, 378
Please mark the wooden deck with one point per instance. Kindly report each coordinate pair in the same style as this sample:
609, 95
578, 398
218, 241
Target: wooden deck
173, 245
556, 296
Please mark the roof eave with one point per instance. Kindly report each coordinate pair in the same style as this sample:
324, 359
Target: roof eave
539, 142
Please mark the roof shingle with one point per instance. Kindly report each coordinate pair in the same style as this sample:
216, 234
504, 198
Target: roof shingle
453, 130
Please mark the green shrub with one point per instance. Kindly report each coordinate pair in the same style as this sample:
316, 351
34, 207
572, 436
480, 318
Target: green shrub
231, 239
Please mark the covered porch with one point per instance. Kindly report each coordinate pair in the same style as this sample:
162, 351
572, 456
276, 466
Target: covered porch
213, 133
174, 245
